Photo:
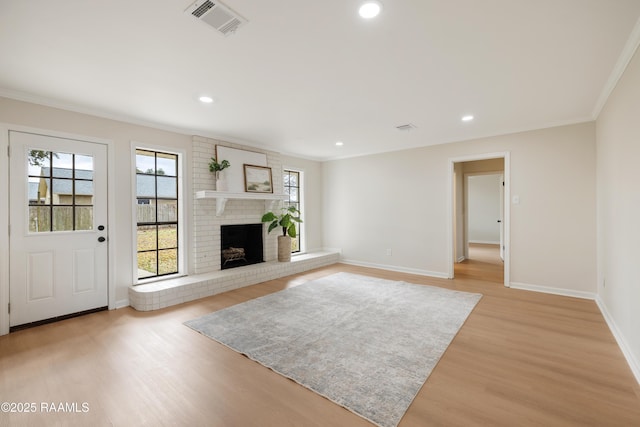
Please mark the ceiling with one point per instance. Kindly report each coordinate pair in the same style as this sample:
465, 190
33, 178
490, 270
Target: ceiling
300, 75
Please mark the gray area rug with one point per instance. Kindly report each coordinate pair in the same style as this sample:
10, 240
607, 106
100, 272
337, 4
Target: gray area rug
367, 344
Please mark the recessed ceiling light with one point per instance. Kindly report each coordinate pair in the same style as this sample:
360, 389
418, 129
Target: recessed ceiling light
206, 99
370, 9
339, 144
467, 118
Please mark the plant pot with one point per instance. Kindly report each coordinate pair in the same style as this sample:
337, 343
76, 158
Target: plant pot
284, 248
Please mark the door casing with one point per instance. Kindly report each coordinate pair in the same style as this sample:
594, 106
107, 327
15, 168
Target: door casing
451, 223
4, 212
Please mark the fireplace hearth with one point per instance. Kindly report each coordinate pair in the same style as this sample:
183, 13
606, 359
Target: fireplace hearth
240, 245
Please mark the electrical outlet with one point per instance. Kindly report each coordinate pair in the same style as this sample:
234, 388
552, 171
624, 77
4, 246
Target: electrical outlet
388, 251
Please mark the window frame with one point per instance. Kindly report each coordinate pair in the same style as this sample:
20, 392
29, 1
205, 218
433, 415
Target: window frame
300, 227
182, 247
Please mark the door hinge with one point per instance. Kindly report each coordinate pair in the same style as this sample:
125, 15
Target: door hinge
8, 151
9, 308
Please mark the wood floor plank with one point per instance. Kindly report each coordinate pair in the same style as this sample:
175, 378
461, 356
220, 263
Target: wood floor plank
522, 358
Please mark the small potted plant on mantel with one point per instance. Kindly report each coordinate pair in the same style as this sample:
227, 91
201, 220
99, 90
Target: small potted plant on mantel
287, 219
214, 166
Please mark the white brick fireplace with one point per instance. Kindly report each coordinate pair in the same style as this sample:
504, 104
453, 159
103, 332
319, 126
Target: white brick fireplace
206, 225
208, 278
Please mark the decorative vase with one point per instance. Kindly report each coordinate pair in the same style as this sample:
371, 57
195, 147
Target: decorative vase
284, 248
221, 185
221, 182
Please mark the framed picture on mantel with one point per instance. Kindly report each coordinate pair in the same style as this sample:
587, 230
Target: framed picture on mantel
234, 174
257, 179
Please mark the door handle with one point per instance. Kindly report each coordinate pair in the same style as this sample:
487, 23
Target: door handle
101, 239
499, 220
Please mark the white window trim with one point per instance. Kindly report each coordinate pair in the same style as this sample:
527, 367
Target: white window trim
301, 195
182, 214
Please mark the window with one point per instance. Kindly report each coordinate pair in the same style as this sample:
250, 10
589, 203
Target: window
60, 191
293, 189
157, 216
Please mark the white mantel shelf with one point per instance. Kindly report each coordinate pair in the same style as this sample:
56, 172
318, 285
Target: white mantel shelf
222, 197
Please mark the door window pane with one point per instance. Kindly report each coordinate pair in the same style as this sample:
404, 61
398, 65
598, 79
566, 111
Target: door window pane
84, 218
62, 165
38, 159
84, 163
39, 218
62, 218
59, 183
84, 193
62, 191
38, 190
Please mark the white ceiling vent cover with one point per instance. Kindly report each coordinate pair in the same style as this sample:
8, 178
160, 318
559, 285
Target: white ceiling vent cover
217, 15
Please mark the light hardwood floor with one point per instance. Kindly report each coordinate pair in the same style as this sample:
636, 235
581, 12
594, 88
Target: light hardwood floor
521, 359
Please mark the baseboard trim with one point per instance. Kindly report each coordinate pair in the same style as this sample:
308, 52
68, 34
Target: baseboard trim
634, 363
485, 242
462, 258
416, 271
121, 304
554, 291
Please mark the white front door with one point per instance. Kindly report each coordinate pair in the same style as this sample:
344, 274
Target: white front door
58, 227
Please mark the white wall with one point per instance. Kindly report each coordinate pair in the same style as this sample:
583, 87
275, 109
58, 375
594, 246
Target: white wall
398, 201
483, 208
312, 195
618, 151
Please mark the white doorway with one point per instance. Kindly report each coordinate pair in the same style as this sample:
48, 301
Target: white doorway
58, 217
496, 224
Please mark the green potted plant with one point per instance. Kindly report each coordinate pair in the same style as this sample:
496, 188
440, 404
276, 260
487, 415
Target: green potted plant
287, 219
217, 168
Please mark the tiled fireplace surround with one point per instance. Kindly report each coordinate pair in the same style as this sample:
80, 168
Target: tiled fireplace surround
208, 279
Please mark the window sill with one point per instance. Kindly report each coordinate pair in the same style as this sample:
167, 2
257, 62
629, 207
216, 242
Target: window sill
159, 279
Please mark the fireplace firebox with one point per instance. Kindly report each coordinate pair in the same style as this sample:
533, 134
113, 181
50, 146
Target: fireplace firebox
240, 245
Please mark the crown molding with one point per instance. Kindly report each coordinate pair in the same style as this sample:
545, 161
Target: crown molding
623, 61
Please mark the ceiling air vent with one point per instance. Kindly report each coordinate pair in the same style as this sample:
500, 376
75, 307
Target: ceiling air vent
406, 128
217, 15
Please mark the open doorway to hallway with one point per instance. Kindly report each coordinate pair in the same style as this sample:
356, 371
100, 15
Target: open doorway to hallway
483, 263
479, 229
